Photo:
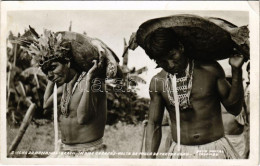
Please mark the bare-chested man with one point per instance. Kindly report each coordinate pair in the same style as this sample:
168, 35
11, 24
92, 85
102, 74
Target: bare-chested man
201, 88
83, 111
83, 104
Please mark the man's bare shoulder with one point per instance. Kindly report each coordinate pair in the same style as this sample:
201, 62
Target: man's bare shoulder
213, 67
159, 76
158, 81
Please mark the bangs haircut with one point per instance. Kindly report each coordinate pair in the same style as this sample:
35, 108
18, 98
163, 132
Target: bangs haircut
46, 67
160, 42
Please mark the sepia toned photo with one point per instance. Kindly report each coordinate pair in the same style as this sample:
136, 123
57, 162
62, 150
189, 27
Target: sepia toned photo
158, 85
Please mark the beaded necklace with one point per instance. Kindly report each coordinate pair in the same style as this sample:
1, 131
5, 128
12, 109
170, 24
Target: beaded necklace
68, 92
184, 86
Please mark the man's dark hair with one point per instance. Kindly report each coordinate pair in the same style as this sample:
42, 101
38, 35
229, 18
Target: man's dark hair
160, 42
46, 66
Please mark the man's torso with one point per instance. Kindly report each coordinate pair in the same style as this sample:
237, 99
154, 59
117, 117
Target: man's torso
72, 132
202, 123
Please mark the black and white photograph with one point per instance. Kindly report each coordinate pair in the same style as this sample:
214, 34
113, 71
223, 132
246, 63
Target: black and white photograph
159, 84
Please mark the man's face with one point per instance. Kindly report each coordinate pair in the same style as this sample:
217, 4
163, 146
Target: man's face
57, 72
174, 62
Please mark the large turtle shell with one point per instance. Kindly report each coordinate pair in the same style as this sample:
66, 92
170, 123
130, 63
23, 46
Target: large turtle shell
202, 39
84, 51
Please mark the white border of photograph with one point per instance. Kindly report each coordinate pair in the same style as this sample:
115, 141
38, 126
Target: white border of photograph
145, 5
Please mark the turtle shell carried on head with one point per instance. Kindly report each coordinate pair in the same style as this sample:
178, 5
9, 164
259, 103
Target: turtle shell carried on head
86, 49
240, 35
202, 39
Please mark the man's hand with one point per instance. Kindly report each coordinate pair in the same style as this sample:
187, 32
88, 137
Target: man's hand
236, 61
93, 69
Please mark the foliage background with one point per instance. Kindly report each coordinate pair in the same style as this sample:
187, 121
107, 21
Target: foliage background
26, 84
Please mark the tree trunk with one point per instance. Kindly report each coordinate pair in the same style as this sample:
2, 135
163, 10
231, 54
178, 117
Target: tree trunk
26, 121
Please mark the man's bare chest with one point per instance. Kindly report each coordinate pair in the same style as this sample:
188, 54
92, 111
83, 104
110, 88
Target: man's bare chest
204, 86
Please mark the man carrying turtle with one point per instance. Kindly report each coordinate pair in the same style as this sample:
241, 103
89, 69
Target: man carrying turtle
82, 115
82, 111
192, 91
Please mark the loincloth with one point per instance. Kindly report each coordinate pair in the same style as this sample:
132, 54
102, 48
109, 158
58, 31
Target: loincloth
219, 149
240, 143
95, 149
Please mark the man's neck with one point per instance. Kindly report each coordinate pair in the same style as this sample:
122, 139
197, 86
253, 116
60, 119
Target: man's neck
71, 75
183, 73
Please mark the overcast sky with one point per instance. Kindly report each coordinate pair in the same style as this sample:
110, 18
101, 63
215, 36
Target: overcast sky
111, 27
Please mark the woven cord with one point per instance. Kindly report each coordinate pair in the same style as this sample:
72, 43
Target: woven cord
177, 111
56, 134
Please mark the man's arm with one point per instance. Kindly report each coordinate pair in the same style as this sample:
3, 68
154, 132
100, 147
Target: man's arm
84, 110
156, 110
232, 96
